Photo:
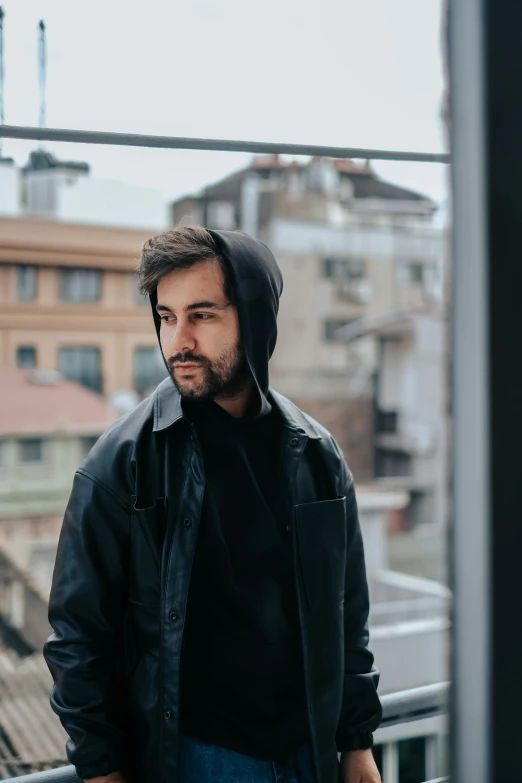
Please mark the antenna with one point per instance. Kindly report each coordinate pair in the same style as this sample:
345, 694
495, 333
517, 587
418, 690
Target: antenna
1, 73
42, 70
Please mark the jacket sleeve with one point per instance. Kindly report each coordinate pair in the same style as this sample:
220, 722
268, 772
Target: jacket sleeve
361, 710
86, 611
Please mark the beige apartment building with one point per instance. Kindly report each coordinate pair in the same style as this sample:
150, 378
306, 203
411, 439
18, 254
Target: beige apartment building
69, 302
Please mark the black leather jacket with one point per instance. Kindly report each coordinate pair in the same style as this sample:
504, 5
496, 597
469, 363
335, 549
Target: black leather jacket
121, 582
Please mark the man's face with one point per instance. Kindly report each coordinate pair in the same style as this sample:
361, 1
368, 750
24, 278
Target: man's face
199, 333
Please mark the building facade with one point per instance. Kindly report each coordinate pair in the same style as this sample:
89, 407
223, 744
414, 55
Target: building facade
350, 246
47, 427
69, 302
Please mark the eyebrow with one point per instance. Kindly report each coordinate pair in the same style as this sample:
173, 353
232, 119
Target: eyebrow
204, 305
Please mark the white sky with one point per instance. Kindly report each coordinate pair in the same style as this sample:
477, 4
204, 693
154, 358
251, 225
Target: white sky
352, 73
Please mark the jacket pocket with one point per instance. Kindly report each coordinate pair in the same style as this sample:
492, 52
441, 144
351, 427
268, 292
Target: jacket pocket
146, 542
321, 551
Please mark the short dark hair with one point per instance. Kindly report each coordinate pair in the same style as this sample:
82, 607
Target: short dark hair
179, 248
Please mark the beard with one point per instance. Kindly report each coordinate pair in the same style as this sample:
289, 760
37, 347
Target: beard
222, 378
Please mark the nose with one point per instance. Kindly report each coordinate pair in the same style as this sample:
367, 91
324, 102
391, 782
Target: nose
182, 339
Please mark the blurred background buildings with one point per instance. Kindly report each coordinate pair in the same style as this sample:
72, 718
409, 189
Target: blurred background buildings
360, 347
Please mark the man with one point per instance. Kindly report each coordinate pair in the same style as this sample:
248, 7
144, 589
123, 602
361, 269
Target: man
209, 599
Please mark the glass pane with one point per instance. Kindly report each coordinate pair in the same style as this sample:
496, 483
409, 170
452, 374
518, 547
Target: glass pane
31, 450
82, 364
80, 285
26, 356
27, 283
412, 760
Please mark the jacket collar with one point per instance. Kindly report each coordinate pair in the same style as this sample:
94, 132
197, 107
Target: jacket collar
168, 410
167, 405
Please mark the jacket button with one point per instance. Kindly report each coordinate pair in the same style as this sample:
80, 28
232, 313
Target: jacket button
187, 522
168, 715
294, 441
173, 615
311, 708
288, 528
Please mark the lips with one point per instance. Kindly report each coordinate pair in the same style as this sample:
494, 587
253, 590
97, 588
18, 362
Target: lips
185, 367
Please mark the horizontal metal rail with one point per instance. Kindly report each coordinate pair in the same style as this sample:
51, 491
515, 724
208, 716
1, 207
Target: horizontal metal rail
415, 704
401, 707
216, 145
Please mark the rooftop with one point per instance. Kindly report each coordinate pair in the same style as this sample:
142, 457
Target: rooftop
366, 183
31, 736
38, 402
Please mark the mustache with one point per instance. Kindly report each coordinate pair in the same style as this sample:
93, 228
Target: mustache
187, 357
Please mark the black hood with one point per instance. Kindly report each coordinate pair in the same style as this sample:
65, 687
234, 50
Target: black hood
258, 285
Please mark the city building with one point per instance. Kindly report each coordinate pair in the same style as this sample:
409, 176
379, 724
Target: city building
47, 427
69, 302
410, 431
350, 246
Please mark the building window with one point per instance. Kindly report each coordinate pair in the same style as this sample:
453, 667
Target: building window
412, 760
392, 463
82, 364
26, 283
416, 274
387, 422
412, 273
138, 298
332, 326
31, 450
344, 268
26, 356
149, 369
80, 285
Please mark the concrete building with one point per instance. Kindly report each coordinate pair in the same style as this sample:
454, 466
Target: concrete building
47, 427
69, 302
350, 246
410, 431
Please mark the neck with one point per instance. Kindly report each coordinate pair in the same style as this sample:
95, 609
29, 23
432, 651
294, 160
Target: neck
245, 403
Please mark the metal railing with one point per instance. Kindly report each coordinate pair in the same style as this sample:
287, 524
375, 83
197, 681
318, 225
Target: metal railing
402, 707
220, 145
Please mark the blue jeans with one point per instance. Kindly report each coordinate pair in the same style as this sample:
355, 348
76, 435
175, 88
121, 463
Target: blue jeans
203, 763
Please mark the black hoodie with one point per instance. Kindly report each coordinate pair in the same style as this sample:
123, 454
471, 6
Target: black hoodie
242, 681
